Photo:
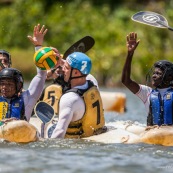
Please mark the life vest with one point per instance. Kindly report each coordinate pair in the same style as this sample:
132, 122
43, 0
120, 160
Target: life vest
93, 120
161, 110
13, 109
51, 95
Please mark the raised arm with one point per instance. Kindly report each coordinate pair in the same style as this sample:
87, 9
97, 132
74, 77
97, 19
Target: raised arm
132, 44
38, 35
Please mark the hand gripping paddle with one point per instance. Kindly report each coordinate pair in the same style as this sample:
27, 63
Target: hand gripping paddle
152, 19
82, 45
45, 113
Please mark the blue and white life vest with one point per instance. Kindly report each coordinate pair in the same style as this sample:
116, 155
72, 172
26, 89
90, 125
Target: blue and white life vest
15, 107
161, 109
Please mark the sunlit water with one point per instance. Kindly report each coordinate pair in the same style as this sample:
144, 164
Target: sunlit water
79, 156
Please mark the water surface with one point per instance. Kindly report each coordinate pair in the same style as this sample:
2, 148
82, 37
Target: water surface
81, 156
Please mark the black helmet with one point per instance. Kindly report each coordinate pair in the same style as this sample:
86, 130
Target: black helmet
166, 67
12, 73
7, 54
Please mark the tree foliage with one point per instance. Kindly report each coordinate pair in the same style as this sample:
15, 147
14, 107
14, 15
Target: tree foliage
108, 21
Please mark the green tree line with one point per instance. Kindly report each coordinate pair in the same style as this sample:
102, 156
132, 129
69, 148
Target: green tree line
107, 21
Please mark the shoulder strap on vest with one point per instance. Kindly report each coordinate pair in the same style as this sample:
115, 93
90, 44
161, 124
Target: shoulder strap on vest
81, 91
22, 115
150, 116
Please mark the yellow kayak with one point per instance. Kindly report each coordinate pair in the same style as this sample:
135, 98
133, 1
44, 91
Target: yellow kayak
118, 132
126, 132
18, 131
23, 132
113, 101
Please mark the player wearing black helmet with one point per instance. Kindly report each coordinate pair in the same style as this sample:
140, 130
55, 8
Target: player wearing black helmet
166, 68
13, 75
13, 102
159, 99
5, 59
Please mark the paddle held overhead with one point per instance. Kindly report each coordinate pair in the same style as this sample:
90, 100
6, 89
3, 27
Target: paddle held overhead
152, 19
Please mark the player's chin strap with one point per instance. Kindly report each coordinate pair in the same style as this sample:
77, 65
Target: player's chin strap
71, 78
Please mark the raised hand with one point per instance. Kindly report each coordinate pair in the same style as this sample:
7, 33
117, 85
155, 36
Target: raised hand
59, 57
132, 42
38, 35
54, 73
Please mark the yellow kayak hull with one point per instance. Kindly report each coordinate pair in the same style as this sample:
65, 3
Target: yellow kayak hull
118, 132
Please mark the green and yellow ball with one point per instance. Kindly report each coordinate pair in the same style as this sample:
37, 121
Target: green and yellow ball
45, 59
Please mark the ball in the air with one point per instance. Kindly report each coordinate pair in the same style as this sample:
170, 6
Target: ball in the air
45, 59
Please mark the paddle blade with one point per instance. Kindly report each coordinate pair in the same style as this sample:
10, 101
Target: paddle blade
82, 45
44, 112
150, 18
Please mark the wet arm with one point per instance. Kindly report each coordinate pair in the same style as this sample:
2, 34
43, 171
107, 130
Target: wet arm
38, 35
126, 79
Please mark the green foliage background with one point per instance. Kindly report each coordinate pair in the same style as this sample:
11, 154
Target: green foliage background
108, 21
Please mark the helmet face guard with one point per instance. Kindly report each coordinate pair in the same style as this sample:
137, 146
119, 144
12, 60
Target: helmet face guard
4, 52
16, 75
163, 64
167, 68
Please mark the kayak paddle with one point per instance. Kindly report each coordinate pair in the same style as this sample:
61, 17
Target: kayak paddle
152, 19
45, 113
82, 45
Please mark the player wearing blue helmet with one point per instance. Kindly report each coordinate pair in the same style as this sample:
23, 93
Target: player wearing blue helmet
80, 61
80, 107
80, 66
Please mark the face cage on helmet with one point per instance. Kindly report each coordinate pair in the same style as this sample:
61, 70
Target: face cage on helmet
3, 52
150, 73
16, 81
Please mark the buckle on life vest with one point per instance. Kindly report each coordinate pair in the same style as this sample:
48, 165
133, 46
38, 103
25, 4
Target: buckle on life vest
168, 96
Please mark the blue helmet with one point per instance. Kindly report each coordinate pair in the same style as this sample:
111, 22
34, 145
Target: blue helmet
80, 61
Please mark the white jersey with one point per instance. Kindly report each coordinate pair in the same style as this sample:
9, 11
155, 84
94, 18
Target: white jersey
71, 108
144, 94
32, 94
93, 79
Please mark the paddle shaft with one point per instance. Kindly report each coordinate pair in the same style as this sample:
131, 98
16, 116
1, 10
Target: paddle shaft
42, 129
161, 23
171, 29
